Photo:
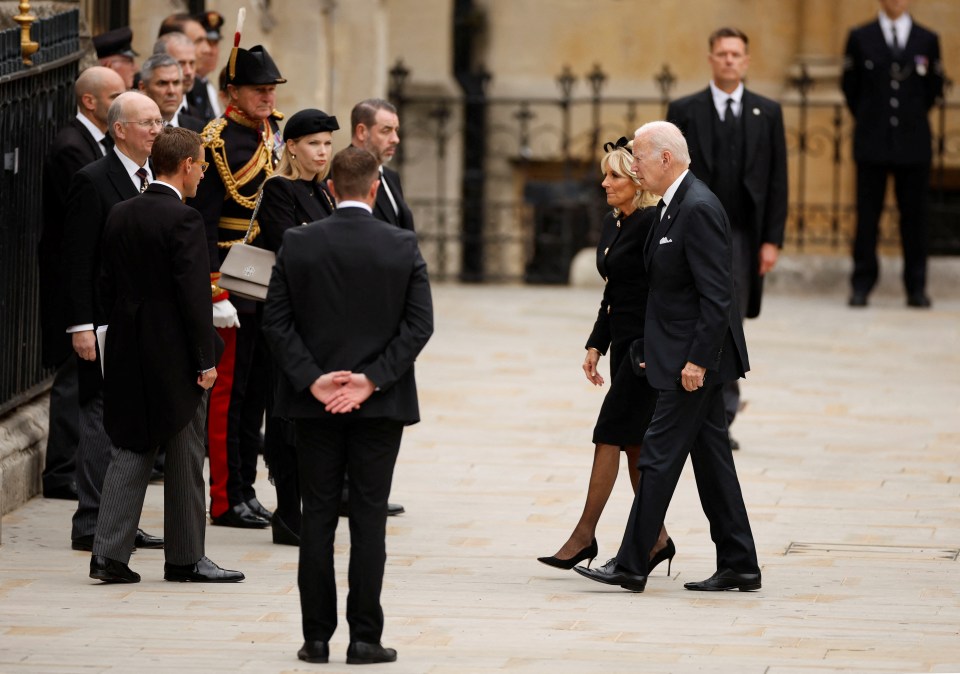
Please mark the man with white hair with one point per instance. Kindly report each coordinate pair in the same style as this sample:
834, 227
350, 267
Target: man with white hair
693, 344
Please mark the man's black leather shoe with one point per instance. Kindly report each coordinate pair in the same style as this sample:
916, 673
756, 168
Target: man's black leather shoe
858, 299
111, 571
240, 516
918, 301
67, 492
725, 579
203, 571
257, 509
317, 652
84, 543
612, 574
363, 653
392, 509
147, 542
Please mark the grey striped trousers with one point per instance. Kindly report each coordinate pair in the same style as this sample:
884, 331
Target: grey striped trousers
184, 497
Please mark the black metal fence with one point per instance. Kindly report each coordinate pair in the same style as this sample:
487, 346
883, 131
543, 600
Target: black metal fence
34, 103
539, 195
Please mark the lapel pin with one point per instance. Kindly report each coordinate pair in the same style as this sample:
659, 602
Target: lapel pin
756, 111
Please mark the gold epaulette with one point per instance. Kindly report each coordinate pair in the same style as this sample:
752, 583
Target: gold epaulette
277, 114
211, 132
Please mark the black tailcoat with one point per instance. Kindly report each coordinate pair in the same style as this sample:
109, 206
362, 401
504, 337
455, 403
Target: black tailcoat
155, 289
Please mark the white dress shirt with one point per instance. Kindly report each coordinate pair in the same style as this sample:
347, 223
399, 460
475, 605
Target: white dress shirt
97, 134
670, 191
901, 25
720, 100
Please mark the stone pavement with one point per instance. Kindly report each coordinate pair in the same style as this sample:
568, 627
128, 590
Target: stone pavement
850, 469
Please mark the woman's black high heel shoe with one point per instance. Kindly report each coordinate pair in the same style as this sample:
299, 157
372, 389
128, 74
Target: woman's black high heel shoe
665, 553
589, 552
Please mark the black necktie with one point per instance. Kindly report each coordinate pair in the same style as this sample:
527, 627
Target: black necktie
660, 206
142, 174
728, 116
895, 44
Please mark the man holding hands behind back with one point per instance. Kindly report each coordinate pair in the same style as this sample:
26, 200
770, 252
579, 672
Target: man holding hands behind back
347, 313
693, 344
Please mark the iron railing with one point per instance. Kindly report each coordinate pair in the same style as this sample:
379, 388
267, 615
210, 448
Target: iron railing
35, 102
541, 199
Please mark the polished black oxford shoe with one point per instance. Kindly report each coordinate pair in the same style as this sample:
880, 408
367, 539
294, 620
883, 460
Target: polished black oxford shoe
393, 509
145, 541
202, 571
725, 579
363, 653
857, 299
84, 543
918, 301
612, 574
282, 534
317, 652
67, 492
257, 509
241, 517
111, 571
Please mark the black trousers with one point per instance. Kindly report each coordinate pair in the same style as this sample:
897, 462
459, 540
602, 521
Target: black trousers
744, 263
695, 424
280, 453
64, 427
911, 186
327, 448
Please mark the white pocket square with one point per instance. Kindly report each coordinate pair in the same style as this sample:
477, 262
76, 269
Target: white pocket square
665, 240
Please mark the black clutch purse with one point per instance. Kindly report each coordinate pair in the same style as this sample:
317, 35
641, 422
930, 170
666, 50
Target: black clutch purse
635, 355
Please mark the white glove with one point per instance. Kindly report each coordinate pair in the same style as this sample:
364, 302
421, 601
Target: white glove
225, 315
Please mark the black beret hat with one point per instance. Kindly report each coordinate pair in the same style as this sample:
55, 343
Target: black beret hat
114, 42
308, 121
212, 23
252, 67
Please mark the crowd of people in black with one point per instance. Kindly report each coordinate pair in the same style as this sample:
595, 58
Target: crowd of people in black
167, 167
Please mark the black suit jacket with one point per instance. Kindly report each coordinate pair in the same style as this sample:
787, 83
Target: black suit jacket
71, 150
383, 209
873, 78
198, 101
765, 167
190, 122
691, 309
155, 290
94, 190
290, 203
349, 293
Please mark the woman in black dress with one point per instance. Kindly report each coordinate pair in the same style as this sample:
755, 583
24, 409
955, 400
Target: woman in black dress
629, 403
295, 195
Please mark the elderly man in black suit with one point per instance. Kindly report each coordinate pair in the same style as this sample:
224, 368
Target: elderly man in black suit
83, 140
693, 344
134, 122
347, 313
159, 362
892, 76
738, 148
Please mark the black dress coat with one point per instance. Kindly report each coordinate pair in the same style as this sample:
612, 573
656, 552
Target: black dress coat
383, 209
890, 96
369, 280
764, 172
155, 288
71, 150
198, 101
690, 310
629, 401
290, 203
94, 190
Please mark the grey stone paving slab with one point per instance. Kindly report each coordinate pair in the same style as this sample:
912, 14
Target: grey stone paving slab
850, 469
